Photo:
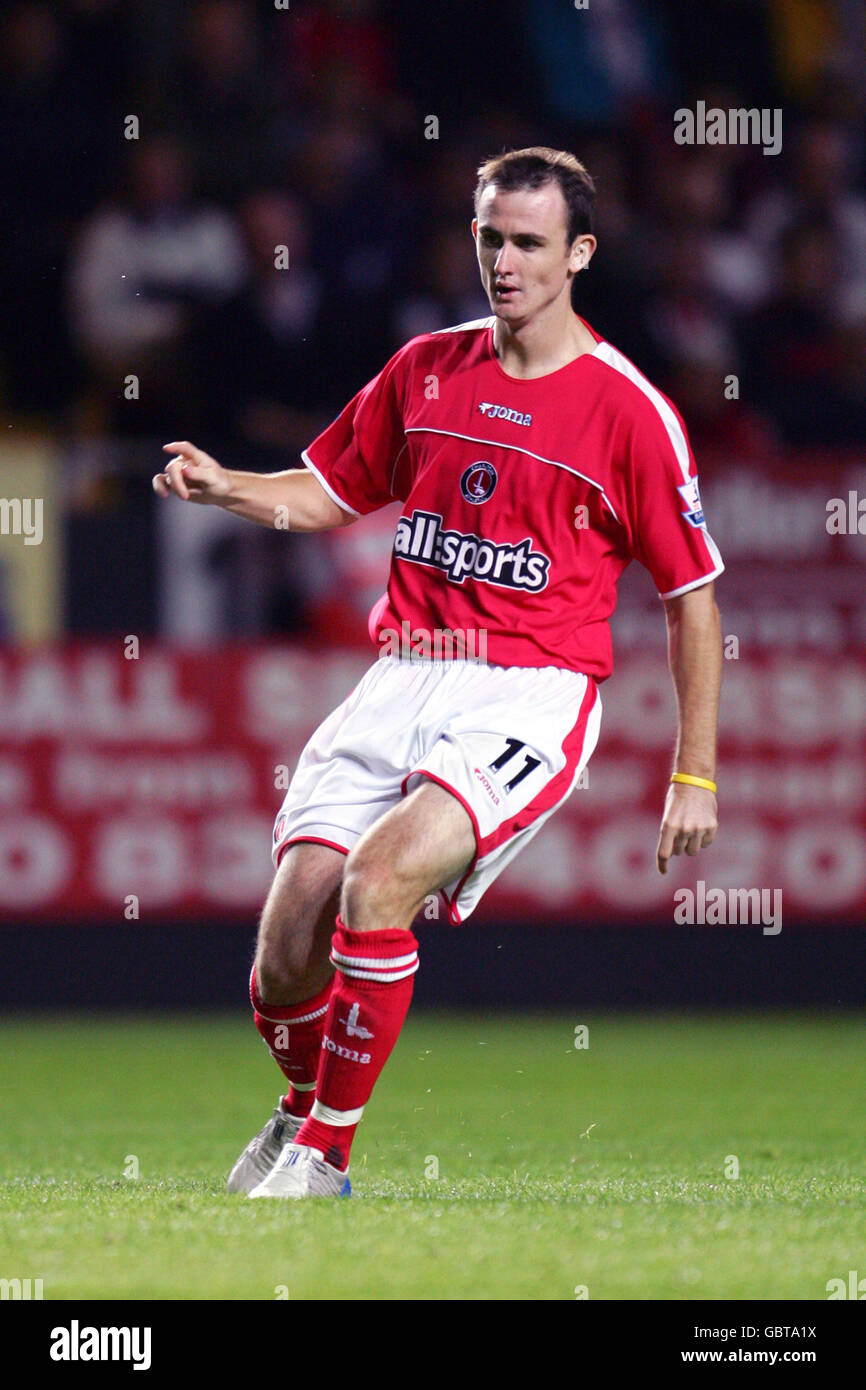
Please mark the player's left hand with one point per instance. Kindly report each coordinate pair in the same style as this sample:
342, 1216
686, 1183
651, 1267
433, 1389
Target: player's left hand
689, 823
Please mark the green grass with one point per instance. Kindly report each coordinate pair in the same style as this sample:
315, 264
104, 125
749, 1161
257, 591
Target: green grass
558, 1167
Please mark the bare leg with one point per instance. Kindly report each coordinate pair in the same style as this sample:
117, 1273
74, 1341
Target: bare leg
292, 968
297, 924
416, 848
423, 843
426, 841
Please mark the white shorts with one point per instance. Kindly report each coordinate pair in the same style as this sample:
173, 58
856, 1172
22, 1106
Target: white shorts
509, 742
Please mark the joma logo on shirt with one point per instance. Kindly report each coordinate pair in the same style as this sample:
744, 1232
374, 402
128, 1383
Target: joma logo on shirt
423, 539
502, 412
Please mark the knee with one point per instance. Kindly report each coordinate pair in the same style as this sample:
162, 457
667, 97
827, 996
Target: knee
277, 980
377, 891
286, 980
291, 959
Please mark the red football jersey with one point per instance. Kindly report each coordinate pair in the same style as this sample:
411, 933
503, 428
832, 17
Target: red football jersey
523, 501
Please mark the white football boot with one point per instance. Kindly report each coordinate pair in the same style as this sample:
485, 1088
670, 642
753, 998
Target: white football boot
302, 1172
261, 1153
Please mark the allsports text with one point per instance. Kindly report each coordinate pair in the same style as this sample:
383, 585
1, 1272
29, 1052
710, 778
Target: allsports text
423, 540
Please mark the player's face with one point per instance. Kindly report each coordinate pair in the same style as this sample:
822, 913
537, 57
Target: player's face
524, 254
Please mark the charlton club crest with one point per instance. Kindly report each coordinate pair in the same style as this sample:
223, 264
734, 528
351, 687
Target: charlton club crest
478, 482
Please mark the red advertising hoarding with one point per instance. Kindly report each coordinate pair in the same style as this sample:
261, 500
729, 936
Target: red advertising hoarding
141, 782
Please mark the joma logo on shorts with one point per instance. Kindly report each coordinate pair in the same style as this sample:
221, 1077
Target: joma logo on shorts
486, 785
349, 1053
502, 412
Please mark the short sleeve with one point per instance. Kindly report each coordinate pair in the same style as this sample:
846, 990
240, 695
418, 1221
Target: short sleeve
355, 457
668, 533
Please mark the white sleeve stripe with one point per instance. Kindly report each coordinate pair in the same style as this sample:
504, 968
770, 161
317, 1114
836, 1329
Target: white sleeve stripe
344, 506
620, 363
715, 554
365, 962
694, 584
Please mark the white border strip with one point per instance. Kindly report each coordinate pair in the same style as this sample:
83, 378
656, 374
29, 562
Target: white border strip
465, 327
344, 506
620, 363
382, 976
303, 1018
368, 963
697, 583
338, 1118
517, 448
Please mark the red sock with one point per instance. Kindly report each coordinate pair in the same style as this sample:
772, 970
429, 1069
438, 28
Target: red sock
370, 999
293, 1033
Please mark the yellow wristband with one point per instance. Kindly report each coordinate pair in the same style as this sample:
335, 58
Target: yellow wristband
694, 781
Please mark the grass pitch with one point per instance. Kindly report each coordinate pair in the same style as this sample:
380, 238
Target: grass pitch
497, 1160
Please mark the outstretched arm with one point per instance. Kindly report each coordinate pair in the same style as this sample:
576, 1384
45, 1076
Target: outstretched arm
695, 658
293, 500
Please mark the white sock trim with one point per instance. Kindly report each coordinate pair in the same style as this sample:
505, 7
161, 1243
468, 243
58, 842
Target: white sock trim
378, 974
373, 963
293, 1022
337, 1118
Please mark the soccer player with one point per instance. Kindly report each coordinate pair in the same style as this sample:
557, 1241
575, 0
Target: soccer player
533, 462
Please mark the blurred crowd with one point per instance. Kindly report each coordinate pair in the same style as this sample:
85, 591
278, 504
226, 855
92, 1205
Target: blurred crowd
155, 156
308, 126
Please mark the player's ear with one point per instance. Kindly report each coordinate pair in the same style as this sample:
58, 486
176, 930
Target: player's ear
582, 252
474, 228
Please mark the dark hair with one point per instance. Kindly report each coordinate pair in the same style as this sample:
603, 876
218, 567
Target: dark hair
536, 166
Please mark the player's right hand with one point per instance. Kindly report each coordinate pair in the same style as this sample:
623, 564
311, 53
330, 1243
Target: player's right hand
192, 475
